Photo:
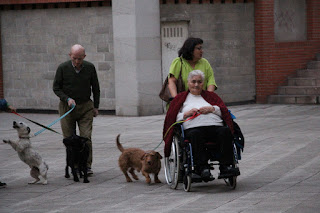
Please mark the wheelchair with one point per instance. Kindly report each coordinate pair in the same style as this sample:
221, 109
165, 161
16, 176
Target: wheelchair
179, 167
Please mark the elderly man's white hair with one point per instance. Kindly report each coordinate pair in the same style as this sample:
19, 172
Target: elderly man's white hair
196, 73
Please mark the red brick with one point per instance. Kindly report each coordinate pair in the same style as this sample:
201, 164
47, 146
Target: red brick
275, 61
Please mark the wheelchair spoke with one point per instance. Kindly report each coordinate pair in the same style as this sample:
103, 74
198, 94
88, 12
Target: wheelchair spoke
172, 165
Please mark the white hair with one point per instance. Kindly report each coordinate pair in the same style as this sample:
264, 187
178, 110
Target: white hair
196, 73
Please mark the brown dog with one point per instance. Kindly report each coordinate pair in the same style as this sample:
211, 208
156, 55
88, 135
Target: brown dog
133, 158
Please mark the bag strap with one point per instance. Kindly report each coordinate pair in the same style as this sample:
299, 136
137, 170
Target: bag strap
181, 66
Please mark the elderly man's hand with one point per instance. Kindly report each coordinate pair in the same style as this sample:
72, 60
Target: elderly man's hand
71, 102
206, 109
95, 112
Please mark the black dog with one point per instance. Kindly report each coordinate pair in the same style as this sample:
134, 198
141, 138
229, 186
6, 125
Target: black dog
77, 154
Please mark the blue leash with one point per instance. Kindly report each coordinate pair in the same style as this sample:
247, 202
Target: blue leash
232, 115
37, 133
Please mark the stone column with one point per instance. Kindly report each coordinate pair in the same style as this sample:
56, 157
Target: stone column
137, 57
1, 69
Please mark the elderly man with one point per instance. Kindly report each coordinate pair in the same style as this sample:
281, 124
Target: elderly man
74, 82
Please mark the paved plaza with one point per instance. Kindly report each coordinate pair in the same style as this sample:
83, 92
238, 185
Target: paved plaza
280, 167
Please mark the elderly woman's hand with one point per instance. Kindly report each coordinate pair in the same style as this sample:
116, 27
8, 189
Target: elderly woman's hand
206, 109
190, 113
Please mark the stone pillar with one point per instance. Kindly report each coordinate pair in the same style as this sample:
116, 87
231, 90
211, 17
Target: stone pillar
137, 57
1, 70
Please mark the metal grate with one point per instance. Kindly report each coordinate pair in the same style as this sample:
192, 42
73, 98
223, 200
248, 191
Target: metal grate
169, 32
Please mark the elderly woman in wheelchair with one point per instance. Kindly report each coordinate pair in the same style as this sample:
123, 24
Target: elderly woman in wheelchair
205, 125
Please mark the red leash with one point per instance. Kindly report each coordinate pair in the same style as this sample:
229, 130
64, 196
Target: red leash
196, 114
48, 128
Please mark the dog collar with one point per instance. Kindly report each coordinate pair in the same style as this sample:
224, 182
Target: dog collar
24, 137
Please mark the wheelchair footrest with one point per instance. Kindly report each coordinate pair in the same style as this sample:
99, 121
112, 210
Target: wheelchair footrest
197, 178
228, 175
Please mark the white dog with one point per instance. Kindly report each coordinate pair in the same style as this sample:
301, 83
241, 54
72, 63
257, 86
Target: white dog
27, 154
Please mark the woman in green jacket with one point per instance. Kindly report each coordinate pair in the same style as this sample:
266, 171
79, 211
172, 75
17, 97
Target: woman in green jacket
190, 58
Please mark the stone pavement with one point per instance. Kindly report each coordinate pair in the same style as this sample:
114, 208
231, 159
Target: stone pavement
280, 167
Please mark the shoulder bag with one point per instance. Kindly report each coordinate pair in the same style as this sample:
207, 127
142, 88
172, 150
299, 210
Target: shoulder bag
165, 93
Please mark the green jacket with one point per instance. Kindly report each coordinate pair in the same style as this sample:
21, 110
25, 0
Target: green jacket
78, 86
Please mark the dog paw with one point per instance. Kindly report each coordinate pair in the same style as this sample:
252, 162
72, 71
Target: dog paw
135, 177
67, 176
76, 179
5, 141
157, 181
129, 180
45, 182
34, 182
86, 181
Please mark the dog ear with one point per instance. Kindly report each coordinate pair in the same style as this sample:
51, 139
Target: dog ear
29, 130
143, 156
158, 154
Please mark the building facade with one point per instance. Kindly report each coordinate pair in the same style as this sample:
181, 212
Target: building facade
252, 45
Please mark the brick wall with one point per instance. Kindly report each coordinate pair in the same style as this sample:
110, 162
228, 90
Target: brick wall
227, 30
35, 42
17, 2
6, 5
274, 61
277, 60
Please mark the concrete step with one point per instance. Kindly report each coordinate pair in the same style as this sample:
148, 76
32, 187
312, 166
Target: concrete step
304, 88
306, 73
299, 90
293, 99
313, 65
300, 81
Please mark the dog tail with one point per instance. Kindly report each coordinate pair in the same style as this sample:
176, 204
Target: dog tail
120, 147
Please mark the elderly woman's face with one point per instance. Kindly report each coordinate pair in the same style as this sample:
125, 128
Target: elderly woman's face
195, 85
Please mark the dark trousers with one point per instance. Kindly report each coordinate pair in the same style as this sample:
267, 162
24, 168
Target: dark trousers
81, 115
221, 135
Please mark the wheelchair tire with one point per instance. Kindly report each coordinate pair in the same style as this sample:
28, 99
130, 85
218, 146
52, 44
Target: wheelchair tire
172, 165
232, 182
187, 183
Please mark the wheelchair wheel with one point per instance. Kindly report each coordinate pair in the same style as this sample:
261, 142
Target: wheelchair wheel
232, 182
187, 182
172, 165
